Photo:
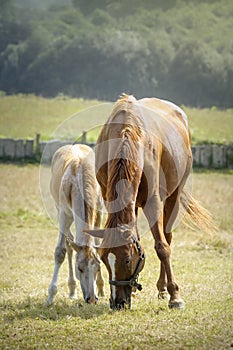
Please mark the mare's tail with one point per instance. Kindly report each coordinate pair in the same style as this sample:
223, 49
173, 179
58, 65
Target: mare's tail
201, 217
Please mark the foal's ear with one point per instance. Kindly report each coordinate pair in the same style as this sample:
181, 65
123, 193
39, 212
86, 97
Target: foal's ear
75, 246
95, 233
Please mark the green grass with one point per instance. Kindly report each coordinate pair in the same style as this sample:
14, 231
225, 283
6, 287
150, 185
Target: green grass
28, 115
210, 125
202, 264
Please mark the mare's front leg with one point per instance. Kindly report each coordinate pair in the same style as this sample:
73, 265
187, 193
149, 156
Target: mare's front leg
155, 216
59, 254
100, 283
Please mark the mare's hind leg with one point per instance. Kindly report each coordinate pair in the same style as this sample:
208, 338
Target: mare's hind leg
59, 254
71, 280
171, 209
155, 216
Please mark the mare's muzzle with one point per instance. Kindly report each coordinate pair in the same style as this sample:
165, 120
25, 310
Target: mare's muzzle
133, 281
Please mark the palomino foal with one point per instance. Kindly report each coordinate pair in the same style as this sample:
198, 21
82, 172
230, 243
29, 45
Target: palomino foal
76, 194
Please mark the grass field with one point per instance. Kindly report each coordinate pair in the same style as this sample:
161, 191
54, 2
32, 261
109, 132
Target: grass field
202, 263
29, 115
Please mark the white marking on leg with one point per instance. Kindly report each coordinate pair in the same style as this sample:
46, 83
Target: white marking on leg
112, 261
92, 291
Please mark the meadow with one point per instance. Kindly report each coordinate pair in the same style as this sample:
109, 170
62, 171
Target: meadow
28, 115
202, 262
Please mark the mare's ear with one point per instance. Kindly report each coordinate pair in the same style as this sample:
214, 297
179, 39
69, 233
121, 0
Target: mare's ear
95, 233
99, 250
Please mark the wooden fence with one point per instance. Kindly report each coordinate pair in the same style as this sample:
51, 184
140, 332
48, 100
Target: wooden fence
206, 156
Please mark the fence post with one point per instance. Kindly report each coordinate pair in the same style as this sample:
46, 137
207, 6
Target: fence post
196, 155
229, 156
219, 156
84, 137
29, 153
19, 149
1, 148
37, 144
9, 148
205, 156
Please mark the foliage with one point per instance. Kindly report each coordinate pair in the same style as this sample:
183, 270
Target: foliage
179, 50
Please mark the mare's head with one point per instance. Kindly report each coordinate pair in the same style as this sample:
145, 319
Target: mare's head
124, 258
87, 266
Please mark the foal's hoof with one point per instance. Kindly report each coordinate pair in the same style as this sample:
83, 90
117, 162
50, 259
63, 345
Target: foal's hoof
163, 295
49, 302
73, 296
176, 304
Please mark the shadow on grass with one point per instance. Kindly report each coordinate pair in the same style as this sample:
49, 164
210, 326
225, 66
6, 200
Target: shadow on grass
34, 308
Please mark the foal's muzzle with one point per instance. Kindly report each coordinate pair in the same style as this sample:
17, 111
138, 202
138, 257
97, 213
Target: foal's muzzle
89, 301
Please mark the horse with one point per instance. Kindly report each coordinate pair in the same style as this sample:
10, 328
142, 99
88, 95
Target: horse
77, 197
143, 160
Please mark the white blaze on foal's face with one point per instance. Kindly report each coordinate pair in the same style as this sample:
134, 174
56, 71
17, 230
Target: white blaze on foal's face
112, 261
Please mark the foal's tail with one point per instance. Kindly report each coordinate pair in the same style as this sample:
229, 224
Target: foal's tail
201, 217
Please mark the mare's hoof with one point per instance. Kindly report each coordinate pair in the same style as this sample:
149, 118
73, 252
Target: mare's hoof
101, 293
163, 295
176, 304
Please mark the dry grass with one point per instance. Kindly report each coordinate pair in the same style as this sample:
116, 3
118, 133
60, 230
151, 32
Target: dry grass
202, 264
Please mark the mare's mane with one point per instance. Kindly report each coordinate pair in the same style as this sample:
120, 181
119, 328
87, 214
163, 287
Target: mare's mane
124, 166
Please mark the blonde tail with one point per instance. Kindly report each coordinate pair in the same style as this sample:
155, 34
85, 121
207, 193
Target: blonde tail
201, 217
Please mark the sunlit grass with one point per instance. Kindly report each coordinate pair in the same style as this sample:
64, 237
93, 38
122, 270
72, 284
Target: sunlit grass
28, 115
210, 125
202, 264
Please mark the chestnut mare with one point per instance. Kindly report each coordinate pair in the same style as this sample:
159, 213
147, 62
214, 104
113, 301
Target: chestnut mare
76, 194
143, 159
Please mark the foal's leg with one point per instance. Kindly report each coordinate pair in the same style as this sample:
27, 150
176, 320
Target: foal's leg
59, 255
155, 216
71, 280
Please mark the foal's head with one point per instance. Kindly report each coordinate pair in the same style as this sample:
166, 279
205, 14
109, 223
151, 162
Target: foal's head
124, 258
87, 267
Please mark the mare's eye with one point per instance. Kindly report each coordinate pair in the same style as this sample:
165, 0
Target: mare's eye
80, 269
127, 260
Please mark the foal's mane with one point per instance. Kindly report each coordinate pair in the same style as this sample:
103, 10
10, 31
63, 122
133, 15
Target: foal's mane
124, 166
79, 166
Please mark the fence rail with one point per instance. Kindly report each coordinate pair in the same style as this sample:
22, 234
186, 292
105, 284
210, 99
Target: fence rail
206, 156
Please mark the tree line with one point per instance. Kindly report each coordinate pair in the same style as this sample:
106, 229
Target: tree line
181, 50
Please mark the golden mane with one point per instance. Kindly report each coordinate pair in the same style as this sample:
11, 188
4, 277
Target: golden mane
124, 169
124, 103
